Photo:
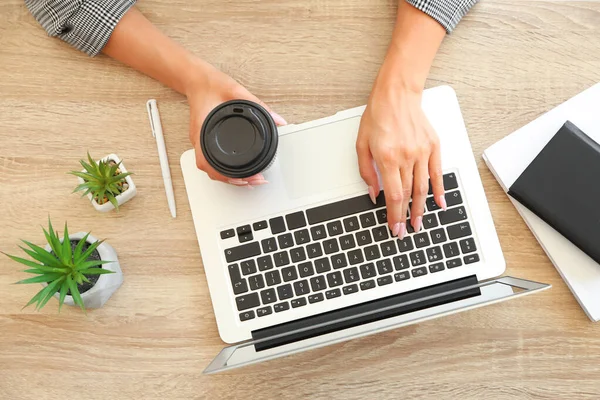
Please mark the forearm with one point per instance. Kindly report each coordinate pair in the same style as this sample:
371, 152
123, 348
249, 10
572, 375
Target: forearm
139, 44
415, 41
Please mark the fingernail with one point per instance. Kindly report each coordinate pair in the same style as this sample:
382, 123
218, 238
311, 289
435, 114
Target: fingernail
396, 229
258, 182
442, 201
402, 232
418, 224
278, 118
237, 182
372, 195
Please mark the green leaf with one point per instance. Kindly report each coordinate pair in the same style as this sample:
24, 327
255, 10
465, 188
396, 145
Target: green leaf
78, 279
64, 288
41, 278
34, 271
85, 279
86, 176
52, 289
86, 254
42, 255
75, 293
96, 271
113, 200
79, 246
53, 241
66, 244
123, 175
34, 298
90, 263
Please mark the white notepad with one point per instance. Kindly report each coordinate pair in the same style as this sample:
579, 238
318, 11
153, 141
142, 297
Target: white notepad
509, 157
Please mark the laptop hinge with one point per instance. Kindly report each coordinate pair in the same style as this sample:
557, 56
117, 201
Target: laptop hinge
278, 331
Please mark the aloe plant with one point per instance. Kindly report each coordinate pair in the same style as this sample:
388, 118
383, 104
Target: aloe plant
102, 179
62, 269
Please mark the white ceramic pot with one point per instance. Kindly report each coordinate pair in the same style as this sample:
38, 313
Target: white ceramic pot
123, 197
107, 284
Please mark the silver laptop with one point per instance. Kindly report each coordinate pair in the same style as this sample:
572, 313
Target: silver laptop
308, 260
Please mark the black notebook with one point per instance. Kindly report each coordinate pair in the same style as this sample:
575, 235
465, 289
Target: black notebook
562, 187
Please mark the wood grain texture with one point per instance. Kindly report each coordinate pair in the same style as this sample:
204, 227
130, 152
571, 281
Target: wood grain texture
509, 61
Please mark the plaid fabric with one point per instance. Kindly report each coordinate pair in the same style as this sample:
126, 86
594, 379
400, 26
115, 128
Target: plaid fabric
84, 24
447, 12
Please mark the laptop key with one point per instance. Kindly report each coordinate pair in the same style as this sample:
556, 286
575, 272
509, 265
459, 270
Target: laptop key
434, 254
281, 306
285, 292
295, 220
299, 302
247, 301
431, 204
302, 236
351, 275
405, 244
261, 312
322, 265
301, 288
388, 248
335, 228
246, 315
453, 198
417, 258
347, 242
351, 224
273, 278
269, 245
372, 252
367, 220
243, 229
459, 230
450, 181
451, 249
330, 246
241, 252
454, 263
227, 234
315, 298
331, 294
452, 215
285, 241
467, 245
368, 271
355, 257
281, 258
363, 238
437, 267
350, 289
314, 250
318, 232
248, 267
422, 240
264, 263
305, 269
298, 254
343, 208
234, 273
384, 280
335, 279
277, 225
401, 262
256, 282
380, 233
318, 283
384, 266
268, 296
381, 216
470, 259
419, 272
289, 274
339, 261
245, 237
260, 225
366, 285
438, 236
430, 221
401, 276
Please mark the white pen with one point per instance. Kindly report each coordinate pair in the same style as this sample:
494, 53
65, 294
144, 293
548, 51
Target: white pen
162, 152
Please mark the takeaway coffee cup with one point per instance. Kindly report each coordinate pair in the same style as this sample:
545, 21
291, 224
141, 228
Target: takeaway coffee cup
239, 139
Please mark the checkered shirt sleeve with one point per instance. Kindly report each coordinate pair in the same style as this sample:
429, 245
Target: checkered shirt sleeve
447, 12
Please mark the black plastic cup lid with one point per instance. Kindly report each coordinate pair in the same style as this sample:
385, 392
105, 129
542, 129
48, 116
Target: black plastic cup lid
239, 138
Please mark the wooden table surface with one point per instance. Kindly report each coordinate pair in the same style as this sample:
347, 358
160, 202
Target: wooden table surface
509, 61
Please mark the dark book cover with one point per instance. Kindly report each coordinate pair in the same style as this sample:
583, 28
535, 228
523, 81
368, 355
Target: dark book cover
562, 187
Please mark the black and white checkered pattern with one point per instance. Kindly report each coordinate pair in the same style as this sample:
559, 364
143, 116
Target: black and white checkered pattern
447, 12
88, 24
84, 24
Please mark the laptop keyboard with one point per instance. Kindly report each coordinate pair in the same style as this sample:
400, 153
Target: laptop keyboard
342, 248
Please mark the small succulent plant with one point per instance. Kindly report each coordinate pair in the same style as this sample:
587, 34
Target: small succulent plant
62, 269
103, 179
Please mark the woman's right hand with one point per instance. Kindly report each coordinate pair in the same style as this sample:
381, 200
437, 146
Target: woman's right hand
209, 88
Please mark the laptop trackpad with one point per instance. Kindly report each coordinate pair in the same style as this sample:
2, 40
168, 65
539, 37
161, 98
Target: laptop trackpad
315, 160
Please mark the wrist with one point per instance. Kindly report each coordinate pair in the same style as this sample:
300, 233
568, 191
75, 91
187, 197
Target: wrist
399, 75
